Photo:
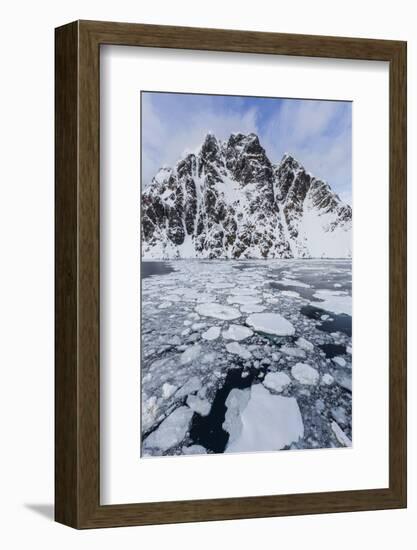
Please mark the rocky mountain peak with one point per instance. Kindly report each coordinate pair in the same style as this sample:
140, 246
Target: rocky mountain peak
210, 148
230, 201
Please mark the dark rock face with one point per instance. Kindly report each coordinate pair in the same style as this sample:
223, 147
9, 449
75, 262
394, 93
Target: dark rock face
229, 201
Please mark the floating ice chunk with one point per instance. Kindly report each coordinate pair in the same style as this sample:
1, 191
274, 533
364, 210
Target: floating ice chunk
156, 365
171, 431
305, 374
208, 357
333, 300
244, 291
191, 386
245, 374
290, 293
275, 356
194, 450
327, 379
218, 311
276, 381
340, 435
211, 334
238, 349
252, 308
198, 326
287, 282
174, 341
200, 406
304, 344
243, 299
203, 297
173, 298
186, 332
235, 404
190, 294
168, 390
324, 317
339, 361
194, 316
344, 380
349, 350
150, 411
165, 305
339, 415
271, 323
337, 285
237, 332
292, 351
264, 422
219, 285
187, 323
190, 354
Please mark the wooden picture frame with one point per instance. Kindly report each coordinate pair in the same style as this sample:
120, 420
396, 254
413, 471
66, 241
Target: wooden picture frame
77, 372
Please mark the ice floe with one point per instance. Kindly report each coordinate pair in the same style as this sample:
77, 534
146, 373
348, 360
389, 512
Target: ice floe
293, 351
149, 412
198, 405
194, 450
208, 357
333, 300
304, 344
265, 423
327, 379
211, 334
243, 299
276, 381
192, 385
237, 332
342, 438
252, 308
271, 323
290, 293
288, 282
339, 361
190, 354
235, 403
238, 349
218, 311
171, 431
168, 390
305, 374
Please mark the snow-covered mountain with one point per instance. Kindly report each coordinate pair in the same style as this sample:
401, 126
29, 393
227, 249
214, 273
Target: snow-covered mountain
229, 201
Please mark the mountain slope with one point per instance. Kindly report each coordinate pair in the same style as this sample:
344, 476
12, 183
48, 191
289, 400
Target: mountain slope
230, 201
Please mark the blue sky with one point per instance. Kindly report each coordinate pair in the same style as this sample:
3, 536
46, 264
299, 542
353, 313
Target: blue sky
317, 133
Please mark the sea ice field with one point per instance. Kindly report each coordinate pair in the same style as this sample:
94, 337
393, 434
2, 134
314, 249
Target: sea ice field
245, 356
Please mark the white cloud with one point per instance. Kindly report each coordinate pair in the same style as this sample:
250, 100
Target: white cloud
163, 147
317, 133
312, 132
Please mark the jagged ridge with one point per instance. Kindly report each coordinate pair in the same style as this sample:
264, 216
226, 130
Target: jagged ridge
230, 201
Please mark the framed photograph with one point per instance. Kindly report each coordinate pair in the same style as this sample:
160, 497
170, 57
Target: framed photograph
230, 274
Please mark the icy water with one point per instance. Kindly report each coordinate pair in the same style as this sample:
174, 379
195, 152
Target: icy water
245, 355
